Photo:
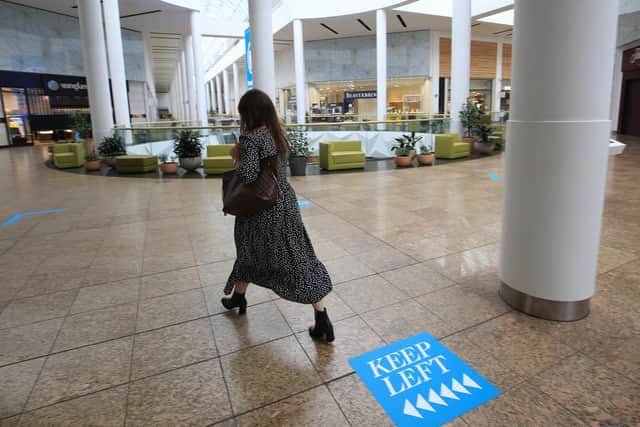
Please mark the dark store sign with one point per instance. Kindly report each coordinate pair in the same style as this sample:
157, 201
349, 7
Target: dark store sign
360, 94
64, 86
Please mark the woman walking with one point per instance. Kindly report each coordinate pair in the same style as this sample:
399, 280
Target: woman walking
273, 248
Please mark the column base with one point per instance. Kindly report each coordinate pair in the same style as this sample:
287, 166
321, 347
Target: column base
563, 311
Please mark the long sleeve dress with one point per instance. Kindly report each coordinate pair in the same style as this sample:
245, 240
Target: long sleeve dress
273, 248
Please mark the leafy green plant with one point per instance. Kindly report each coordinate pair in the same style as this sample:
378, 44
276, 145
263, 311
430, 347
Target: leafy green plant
402, 151
424, 149
298, 143
483, 132
470, 117
407, 142
81, 123
186, 144
91, 156
112, 146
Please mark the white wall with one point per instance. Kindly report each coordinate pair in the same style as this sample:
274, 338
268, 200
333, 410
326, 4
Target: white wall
285, 68
163, 100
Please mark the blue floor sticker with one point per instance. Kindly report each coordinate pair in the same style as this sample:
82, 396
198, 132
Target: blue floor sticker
495, 177
419, 382
17, 217
303, 203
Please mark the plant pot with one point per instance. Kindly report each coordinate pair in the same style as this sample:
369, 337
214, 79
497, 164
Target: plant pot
169, 168
190, 163
92, 165
403, 161
298, 166
109, 161
471, 141
426, 159
484, 147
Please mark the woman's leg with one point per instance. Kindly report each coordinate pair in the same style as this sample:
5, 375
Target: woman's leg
241, 287
237, 299
319, 306
323, 327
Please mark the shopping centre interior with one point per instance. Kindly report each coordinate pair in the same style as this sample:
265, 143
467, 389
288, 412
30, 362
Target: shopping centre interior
468, 169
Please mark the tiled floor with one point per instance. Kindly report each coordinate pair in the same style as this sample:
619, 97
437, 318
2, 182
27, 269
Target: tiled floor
109, 311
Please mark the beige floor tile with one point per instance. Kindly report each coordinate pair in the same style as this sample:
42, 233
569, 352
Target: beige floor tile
47, 283
301, 316
172, 347
463, 266
267, 373
162, 263
82, 371
35, 309
592, 391
357, 403
262, 323
346, 268
353, 338
216, 273
384, 258
101, 296
171, 309
369, 293
168, 283
315, 407
96, 326
417, 279
28, 341
10, 422
425, 249
328, 250
105, 408
194, 395
16, 382
610, 258
255, 295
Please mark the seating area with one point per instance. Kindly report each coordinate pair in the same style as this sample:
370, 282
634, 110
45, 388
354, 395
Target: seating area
136, 163
69, 155
218, 160
338, 155
449, 146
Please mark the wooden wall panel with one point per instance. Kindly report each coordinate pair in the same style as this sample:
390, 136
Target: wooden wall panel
445, 57
506, 61
484, 56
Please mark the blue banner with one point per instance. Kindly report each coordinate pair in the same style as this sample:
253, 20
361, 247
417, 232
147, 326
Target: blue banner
248, 66
419, 382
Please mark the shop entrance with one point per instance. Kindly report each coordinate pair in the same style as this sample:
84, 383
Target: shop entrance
16, 114
631, 108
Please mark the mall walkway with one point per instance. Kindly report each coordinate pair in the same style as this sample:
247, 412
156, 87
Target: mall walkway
109, 310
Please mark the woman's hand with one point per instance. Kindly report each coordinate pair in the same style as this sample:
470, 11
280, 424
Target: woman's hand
235, 154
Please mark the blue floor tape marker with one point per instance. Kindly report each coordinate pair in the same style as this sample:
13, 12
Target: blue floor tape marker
303, 203
17, 217
419, 382
495, 177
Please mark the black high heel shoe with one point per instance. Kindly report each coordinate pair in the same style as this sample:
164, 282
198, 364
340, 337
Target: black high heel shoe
235, 301
323, 327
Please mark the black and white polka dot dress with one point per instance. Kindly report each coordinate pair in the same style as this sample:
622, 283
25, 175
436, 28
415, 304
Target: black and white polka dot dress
273, 248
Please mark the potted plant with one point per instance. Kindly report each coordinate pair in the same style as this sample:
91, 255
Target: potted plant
408, 141
426, 156
110, 148
188, 148
92, 162
403, 156
470, 116
298, 151
483, 144
168, 165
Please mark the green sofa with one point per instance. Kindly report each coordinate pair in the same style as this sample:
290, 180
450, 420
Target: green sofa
70, 155
498, 134
218, 160
133, 163
449, 146
335, 155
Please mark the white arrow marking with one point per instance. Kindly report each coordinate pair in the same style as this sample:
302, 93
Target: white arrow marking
409, 409
423, 404
445, 392
456, 386
434, 398
468, 382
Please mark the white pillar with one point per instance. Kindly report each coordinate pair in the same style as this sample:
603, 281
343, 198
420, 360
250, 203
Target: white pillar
381, 63
236, 88
556, 157
227, 91
190, 78
264, 71
435, 73
497, 82
219, 95
616, 90
150, 81
198, 68
186, 112
95, 65
116, 62
298, 53
460, 60
212, 90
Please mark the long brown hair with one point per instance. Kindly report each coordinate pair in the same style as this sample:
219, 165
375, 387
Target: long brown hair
257, 110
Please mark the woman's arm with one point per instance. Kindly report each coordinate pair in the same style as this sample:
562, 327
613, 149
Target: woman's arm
235, 154
249, 160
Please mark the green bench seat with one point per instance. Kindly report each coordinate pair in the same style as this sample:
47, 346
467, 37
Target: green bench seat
336, 155
69, 155
136, 163
218, 160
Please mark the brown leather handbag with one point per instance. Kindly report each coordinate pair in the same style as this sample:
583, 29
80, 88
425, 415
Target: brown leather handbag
242, 199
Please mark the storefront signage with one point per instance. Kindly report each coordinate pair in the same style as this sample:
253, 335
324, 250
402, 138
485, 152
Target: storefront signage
419, 382
247, 55
360, 94
64, 85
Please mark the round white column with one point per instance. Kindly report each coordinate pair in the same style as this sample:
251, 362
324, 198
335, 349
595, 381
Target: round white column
116, 62
212, 93
236, 88
497, 82
219, 94
95, 66
460, 60
182, 82
227, 91
298, 55
264, 71
198, 68
189, 77
556, 160
381, 64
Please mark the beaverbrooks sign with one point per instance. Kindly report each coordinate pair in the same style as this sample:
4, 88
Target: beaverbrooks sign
64, 85
419, 382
